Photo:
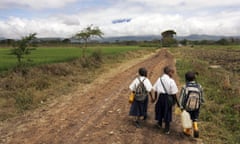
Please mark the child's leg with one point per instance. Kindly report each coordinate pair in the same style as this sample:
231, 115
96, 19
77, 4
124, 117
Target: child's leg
195, 129
137, 123
194, 117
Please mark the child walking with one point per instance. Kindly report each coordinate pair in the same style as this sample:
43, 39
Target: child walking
191, 98
165, 87
139, 107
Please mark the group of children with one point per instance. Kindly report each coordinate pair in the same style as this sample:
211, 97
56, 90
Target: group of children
165, 91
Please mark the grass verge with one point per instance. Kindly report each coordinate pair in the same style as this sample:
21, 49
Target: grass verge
219, 74
27, 88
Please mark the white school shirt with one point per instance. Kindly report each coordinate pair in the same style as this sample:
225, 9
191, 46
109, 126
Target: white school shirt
169, 84
136, 82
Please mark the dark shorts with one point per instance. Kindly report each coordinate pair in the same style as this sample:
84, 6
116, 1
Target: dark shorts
194, 115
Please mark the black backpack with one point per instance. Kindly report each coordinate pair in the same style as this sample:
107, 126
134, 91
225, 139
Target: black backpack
141, 92
193, 97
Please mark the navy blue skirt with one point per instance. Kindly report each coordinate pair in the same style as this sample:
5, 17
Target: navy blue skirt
163, 111
139, 108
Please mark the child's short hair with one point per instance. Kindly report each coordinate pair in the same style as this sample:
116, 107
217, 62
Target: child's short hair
168, 69
190, 76
142, 72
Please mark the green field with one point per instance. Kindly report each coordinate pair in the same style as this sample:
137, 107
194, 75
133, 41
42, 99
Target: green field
46, 55
219, 119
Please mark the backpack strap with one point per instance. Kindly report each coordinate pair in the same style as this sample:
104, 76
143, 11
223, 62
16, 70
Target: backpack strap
141, 81
163, 86
174, 96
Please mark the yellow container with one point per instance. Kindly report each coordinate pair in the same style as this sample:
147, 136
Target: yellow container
131, 98
177, 111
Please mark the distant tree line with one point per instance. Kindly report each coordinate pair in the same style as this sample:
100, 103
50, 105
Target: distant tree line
222, 41
166, 43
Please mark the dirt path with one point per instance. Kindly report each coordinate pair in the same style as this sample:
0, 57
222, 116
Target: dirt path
96, 113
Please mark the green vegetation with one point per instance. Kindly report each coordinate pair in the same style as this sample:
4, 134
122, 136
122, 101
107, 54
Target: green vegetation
23, 47
219, 74
47, 55
86, 34
168, 39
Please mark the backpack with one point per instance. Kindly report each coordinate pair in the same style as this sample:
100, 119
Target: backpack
141, 91
193, 97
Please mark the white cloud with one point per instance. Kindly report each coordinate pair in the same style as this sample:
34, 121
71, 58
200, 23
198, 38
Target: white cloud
187, 3
16, 28
153, 19
35, 4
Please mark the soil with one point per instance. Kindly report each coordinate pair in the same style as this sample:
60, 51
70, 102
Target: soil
97, 113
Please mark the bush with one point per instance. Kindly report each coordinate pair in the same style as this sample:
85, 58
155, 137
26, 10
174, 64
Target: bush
93, 61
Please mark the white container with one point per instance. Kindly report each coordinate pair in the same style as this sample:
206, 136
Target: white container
186, 120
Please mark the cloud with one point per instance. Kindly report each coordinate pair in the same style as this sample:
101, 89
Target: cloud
15, 28
131, 17
34, 4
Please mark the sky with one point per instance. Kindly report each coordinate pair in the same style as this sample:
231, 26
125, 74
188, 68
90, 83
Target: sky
64, 18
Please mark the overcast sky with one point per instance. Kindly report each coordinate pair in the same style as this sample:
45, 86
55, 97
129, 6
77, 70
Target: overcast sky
63, 18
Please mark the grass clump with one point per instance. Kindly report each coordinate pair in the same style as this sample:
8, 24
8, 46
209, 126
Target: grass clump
23, 100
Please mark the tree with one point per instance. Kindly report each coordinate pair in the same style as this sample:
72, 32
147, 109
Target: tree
24, 46
168, 38
223, 41
86, 34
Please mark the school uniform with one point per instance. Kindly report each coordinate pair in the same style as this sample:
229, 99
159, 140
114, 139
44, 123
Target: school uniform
139, 108
163, 111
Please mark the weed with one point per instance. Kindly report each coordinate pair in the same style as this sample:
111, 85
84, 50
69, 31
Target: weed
41, 84
23, 100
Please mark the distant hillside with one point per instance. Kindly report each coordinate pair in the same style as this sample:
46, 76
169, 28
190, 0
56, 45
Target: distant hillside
2, 38
154, 37
131, 38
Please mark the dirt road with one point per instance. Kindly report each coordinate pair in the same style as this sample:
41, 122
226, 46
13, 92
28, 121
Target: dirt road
96, 113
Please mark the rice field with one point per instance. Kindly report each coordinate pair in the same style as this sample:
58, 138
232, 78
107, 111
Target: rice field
46, 55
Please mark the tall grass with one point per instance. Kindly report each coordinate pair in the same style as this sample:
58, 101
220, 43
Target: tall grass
220, 115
